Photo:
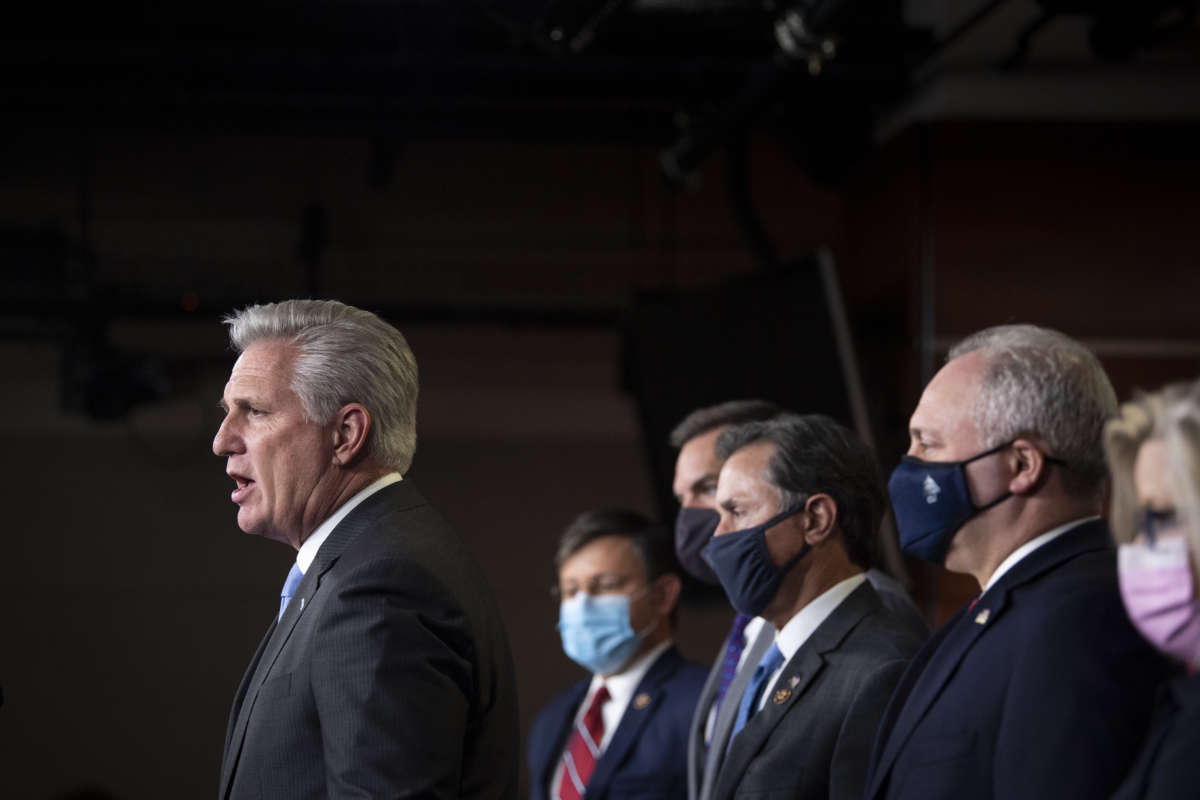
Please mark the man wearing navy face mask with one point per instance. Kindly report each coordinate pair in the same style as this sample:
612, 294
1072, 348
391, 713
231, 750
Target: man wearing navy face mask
624, 731
696, 470
800, 503
1039, 687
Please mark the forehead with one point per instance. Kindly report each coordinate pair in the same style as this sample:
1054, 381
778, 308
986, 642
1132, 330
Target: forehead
1150, 475
948, 403
698, 456
262, 368
611, 555
746, 470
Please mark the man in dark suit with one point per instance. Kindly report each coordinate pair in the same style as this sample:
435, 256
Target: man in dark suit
1039, 687
697, 467
800, 501
387, 672
622, 733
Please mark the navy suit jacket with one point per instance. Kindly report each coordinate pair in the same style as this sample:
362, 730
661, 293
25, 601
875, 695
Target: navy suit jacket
647, 756
1042, 689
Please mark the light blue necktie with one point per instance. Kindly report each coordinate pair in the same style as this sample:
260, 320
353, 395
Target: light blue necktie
771, 661
289, 587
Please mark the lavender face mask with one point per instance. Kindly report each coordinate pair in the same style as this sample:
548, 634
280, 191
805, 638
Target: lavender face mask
1160, 595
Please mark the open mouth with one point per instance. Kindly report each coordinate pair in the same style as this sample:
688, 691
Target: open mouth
244, 485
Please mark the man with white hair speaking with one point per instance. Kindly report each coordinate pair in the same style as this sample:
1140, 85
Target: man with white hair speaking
1040, 687
386, 672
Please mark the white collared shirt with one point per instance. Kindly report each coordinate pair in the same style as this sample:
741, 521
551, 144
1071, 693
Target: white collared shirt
797, 630
1033, 544
620, 693
308, 550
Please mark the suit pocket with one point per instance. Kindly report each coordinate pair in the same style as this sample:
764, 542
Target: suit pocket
940, 767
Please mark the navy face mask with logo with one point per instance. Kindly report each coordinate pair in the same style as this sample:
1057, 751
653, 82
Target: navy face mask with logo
744, 566
931, 503
693, 528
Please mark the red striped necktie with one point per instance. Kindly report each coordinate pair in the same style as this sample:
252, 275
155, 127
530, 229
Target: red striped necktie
583, 748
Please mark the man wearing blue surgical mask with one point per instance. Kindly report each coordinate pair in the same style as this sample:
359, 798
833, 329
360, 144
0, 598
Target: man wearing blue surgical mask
624, 730
1039, 687
801, 501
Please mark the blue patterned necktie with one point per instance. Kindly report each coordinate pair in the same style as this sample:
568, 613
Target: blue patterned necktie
289, 587
771, 661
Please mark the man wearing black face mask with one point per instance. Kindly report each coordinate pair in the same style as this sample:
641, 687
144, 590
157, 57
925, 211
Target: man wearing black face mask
1040, 687
696, 470
800, 503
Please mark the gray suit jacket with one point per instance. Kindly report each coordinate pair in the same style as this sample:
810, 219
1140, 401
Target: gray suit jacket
813, 737
703, 763
389, 674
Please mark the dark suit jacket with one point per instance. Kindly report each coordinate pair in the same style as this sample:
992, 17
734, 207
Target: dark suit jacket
813, 737
1169, 765
389, 674
1043, 689
647, 755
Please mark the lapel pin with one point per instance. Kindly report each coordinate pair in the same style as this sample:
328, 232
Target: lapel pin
982, 617
781, 696
794, 682
301, 603
641, 701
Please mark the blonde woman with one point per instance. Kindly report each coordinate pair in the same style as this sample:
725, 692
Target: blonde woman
1154, 453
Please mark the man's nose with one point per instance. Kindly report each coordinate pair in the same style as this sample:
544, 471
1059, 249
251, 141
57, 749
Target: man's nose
225, 442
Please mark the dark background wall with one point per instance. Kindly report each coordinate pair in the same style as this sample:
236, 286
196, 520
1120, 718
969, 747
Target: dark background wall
507, 230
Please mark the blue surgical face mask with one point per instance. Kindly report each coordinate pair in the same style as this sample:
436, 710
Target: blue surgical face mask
744, 566
693, 528
596, 632
931, 503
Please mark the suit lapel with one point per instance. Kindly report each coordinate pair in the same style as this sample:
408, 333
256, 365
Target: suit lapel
794, 681
727, 713
647, 697
968, 625
563, 722
235, 716
696, 745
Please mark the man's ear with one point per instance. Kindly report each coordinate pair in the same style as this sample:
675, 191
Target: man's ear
351, 426
1027, 465
667, 589
819, 518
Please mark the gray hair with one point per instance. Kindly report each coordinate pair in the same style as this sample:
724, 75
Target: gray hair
1043, 383
1172, 414
815, 455
343, 355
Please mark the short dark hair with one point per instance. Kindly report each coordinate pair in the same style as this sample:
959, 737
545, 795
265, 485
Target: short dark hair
650, 541
732, 412
815, 455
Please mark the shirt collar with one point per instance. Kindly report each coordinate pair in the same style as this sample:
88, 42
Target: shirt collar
308, 550
1033, 544
622, 685
808, 619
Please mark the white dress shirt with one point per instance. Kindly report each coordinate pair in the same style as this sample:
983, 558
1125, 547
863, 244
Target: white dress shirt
308, 550
797, 630
620, 692
1033, 544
